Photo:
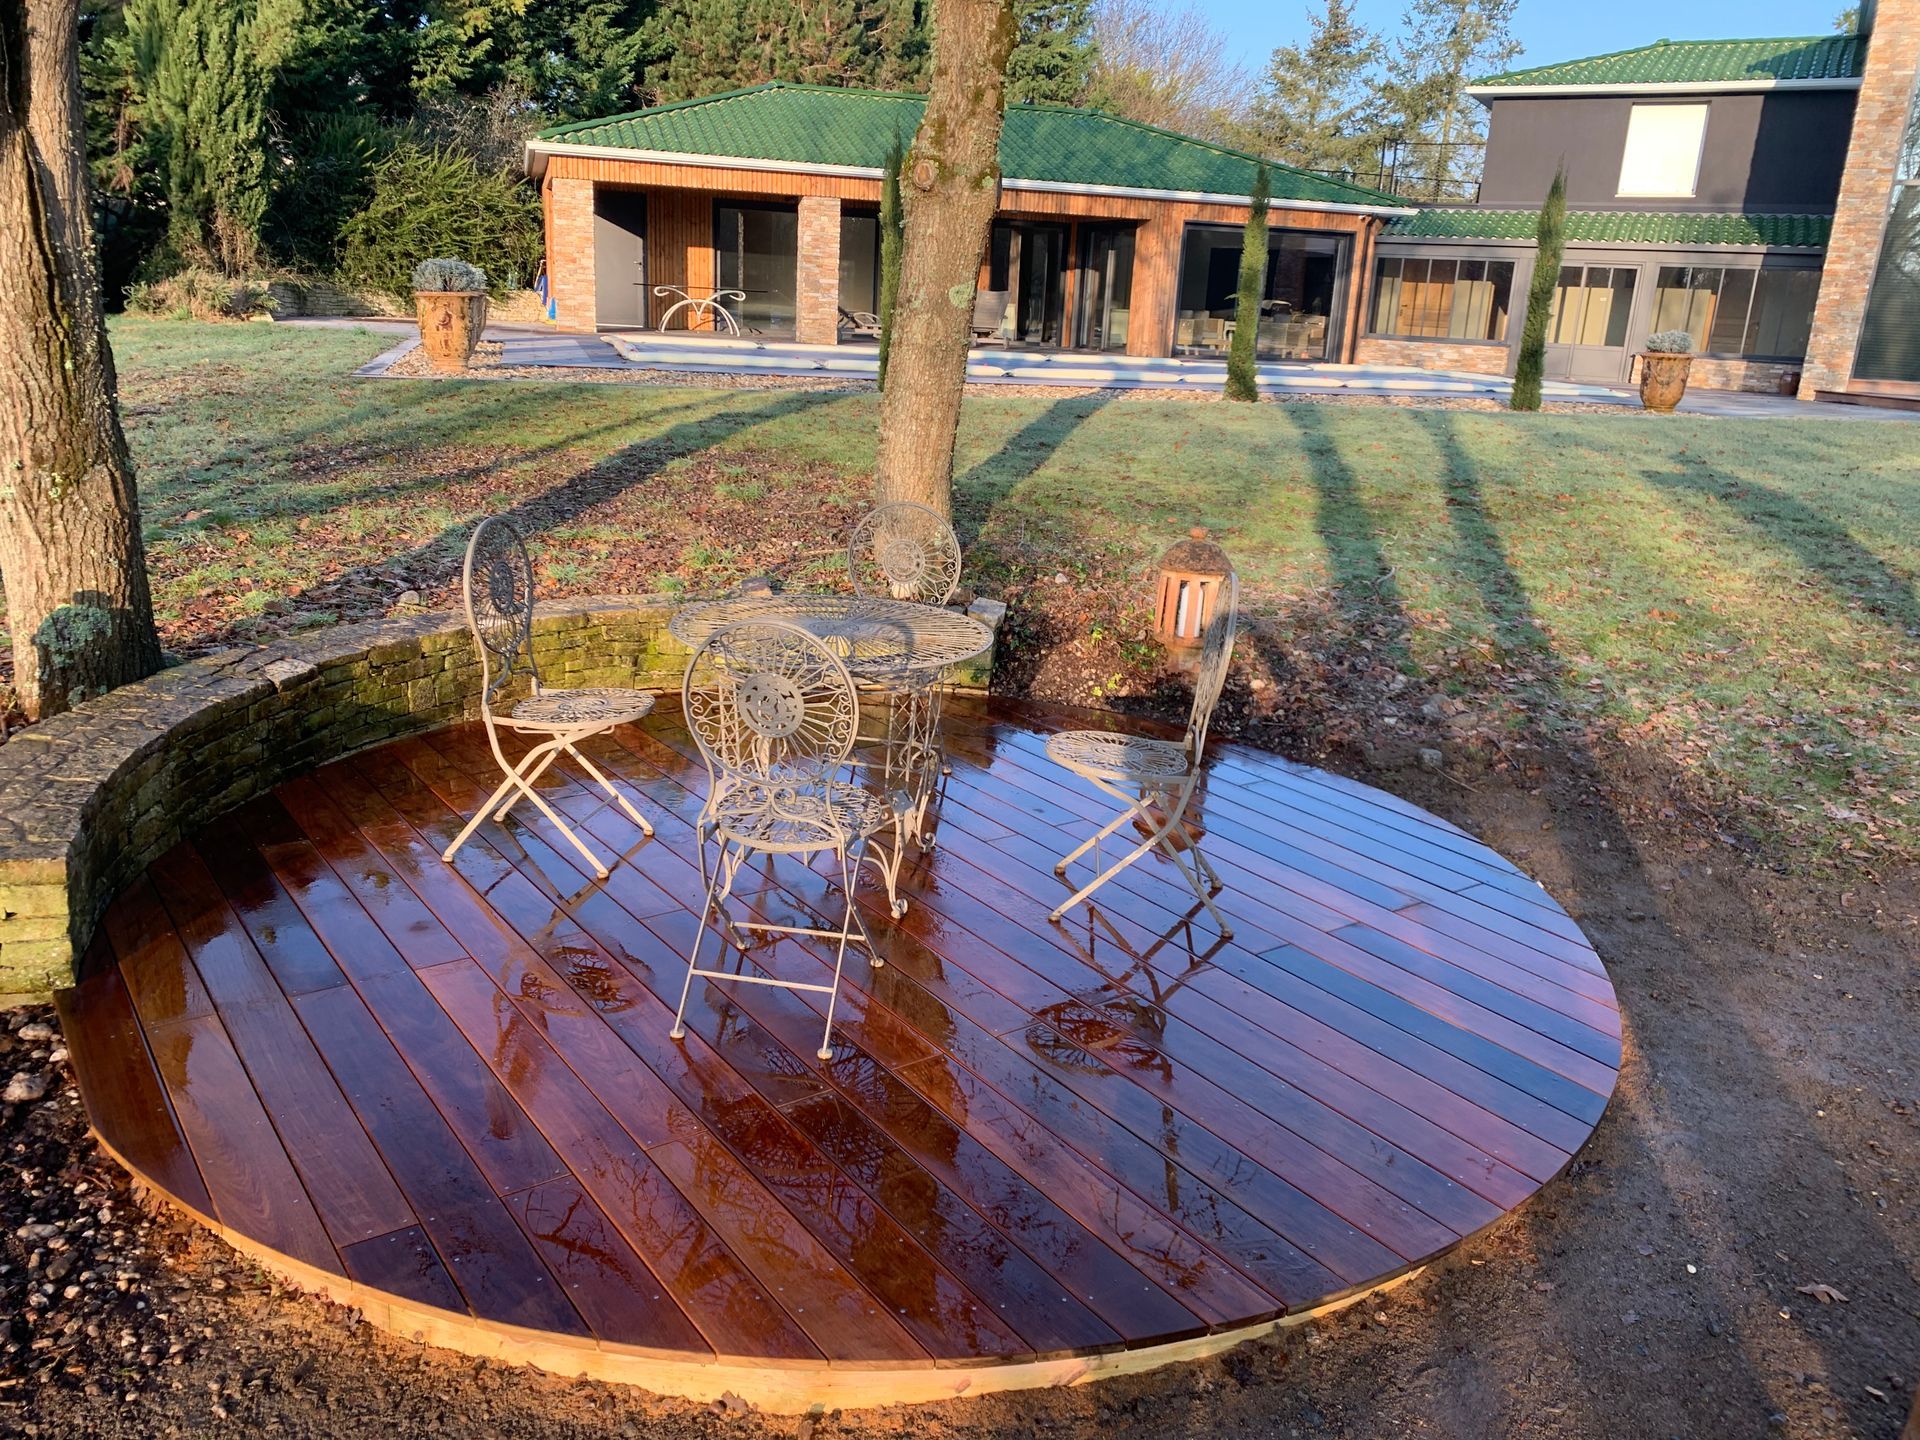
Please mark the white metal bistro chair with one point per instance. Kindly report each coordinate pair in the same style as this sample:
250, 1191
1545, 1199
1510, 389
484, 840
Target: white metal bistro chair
774, 713
1155, 779
905, 551
497, 583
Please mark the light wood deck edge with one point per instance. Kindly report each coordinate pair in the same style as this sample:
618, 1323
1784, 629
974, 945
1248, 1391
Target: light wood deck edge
774, 1386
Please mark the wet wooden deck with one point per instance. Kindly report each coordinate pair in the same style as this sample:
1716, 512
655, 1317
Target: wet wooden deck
446, 1093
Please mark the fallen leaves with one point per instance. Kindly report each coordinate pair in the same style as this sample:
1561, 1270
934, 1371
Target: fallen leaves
1823, 1292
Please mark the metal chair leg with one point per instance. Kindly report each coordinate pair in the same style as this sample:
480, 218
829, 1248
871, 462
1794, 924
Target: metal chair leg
608, 786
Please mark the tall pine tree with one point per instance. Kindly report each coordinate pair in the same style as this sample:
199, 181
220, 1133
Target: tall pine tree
1052, 51
1446, 45
1317, 106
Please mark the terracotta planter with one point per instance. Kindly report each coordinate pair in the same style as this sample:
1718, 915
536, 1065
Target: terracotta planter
450, 325
1663, 380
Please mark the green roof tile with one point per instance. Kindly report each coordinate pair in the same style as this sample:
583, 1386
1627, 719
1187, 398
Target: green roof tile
820, 125
1704, 62
1618, 227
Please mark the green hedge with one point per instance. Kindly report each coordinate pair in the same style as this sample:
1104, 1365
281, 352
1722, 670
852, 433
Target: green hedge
428, 202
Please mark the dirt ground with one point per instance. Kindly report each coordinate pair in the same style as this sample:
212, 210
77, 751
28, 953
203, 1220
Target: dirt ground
1733, 1255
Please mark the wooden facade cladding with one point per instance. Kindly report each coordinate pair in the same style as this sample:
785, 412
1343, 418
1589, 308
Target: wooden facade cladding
680, 232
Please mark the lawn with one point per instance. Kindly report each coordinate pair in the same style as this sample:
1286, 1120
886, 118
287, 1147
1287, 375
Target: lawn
1734, 601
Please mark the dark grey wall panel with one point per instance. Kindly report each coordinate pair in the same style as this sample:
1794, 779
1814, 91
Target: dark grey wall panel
1777, 151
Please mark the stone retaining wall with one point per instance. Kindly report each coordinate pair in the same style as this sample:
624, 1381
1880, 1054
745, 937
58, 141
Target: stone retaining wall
89, 799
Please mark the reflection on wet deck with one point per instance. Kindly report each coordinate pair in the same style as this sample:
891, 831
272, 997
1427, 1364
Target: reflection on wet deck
448, 1090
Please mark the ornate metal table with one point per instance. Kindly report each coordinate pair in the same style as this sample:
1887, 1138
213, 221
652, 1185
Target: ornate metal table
896, 647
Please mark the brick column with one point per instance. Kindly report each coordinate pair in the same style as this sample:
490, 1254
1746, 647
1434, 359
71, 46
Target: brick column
818, 319
1866, 188
570, 252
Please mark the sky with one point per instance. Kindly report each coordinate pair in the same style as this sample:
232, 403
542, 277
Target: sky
1550, 29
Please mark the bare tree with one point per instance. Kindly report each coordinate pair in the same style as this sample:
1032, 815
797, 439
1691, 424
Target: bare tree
953, 186
70, 550
1166, 67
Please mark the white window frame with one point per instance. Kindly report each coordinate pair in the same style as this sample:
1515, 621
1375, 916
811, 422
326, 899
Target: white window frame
1660, 122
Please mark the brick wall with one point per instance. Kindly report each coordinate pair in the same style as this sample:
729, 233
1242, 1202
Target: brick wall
1754, 377
1432, 355
570, 252
1860, 220
818, 318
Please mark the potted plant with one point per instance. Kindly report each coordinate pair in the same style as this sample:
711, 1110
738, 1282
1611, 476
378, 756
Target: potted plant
1663, 370
451, 299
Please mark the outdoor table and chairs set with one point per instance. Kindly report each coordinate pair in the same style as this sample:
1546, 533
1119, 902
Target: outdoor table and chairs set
818, 717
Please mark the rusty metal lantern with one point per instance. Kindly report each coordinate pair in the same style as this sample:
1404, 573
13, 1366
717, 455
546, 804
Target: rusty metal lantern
1192, 575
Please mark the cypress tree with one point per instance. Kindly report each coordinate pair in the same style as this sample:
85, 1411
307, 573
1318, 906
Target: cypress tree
892, 241
1552, 236
1242, 381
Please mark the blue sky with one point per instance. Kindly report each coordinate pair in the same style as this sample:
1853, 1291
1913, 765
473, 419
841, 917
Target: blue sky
1550, 29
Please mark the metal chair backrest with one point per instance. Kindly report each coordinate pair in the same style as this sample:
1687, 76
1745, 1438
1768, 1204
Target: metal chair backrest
905, 551
497, 585
1216, 652
769, 706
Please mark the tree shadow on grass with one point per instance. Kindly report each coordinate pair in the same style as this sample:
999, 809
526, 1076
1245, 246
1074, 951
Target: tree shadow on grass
980, 489
1827, 549
561, 504
1649, 1120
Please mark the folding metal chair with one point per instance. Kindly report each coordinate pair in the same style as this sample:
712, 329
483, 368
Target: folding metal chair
906, 551
774, 713
497, 583
1155, 779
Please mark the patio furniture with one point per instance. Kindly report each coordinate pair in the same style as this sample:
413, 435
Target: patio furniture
989, 313
706, 306
1154, 779
497, 585
774, 713
904, 550
861, 324
899, 646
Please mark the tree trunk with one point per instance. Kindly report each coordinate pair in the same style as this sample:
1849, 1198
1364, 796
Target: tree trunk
952, 189
70, 552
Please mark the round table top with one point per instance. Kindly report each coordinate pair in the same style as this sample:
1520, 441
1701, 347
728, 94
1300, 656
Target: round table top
873, 635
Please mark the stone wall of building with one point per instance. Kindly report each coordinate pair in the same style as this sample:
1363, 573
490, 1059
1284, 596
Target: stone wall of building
1432, 355
1860, 222
817, 321
1754, 377
570, 277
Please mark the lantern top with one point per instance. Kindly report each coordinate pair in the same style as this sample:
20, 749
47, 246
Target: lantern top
1197, 555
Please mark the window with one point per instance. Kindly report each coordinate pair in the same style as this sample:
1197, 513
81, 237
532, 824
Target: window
1890, 332
1662, 157
1444, 299
1743, 311
860, 263
1299, 294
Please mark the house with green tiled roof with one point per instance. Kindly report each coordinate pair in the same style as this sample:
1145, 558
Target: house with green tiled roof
1702, 182
758, 209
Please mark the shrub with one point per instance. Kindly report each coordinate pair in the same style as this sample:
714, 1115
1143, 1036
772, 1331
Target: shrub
1670, 342
1243, 379
1551, 243
328, 179
197, 294
430, 202
448, 275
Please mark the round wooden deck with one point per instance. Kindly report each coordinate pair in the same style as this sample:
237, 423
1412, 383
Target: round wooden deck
446, 1093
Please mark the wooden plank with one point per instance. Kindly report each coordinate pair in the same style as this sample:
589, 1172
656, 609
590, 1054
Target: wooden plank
299, 961
403, 1264
624, 1301
164, 986
494, 1267
735, 1308
122, 1090
253, 1185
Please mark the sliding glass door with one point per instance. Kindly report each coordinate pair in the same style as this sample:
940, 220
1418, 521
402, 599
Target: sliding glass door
1105, 303
1301, 293
1024, 300
756, 250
